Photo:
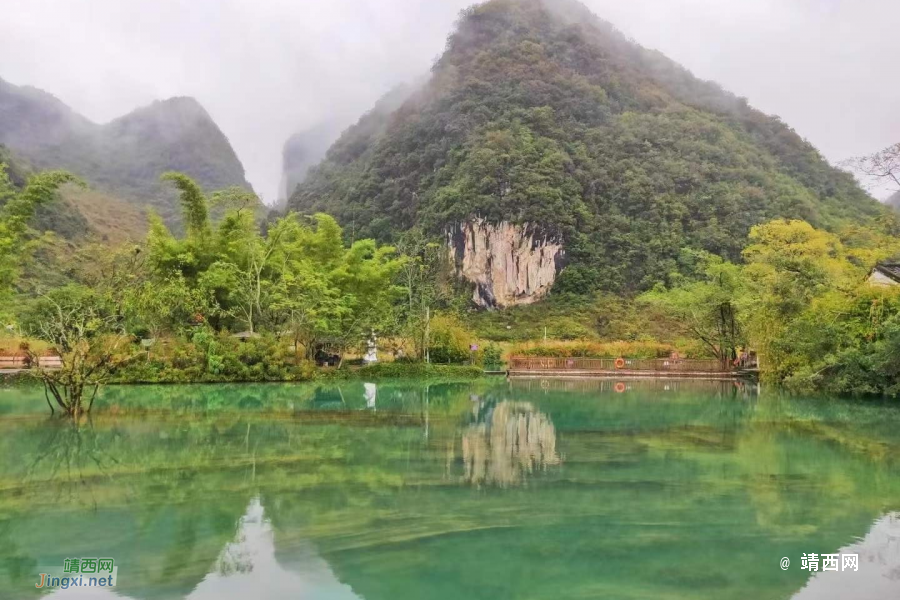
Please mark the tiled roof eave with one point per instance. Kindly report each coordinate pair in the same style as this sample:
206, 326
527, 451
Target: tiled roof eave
890, 271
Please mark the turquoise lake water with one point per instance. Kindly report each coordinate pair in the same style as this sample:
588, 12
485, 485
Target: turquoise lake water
492, 490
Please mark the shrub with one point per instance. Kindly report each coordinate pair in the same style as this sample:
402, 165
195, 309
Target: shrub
450, 341
211, 357
492, 356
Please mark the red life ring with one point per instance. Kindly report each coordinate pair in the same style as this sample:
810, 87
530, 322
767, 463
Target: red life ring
620, 363
620, 388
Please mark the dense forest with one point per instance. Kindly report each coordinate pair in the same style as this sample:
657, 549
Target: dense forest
542, 113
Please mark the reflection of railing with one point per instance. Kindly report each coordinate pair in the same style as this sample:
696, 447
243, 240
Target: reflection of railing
601, 365
607, 384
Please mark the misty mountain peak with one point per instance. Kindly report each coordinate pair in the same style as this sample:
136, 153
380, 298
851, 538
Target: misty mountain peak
177, 118
31, 119
180, 106
127, 155
540, 117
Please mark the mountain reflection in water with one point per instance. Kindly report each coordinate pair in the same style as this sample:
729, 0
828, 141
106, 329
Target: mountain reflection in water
486, 490
878, 577
513, 441
248, 568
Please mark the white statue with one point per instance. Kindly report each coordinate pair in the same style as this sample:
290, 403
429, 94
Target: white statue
371, 356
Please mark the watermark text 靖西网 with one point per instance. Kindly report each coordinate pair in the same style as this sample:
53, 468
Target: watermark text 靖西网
79, 572
829, 562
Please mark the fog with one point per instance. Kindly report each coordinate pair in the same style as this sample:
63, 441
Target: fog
266, 69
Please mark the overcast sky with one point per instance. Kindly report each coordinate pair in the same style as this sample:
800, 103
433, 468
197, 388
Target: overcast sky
267, 68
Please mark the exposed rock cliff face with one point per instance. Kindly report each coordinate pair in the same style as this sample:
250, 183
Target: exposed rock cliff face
509, 264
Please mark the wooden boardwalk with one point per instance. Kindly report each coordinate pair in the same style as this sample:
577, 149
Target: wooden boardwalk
530, 366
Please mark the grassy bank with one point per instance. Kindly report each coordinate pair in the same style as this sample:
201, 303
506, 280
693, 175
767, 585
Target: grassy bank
398, 370
302, 373
373, 372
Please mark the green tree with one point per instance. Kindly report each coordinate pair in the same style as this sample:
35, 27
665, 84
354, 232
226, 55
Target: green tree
306, 299
425, 277
87, 332
789, 264
365, 278
17, 209
296, 276
706, 306
811, 314
248, 264
168, 304
193, 253
194, 205
328, 292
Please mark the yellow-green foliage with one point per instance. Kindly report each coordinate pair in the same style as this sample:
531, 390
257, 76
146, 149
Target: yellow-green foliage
450, 341
13, 345
594, 349
603, 317
792, 272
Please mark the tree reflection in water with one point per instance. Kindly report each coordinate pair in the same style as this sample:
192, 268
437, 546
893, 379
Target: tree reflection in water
512, 441
70, 448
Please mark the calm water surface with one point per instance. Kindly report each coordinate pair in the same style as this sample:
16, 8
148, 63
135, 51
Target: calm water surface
486, 490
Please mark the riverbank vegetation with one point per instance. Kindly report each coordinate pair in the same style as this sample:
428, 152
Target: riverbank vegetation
585, 349
230, 299
691, 223
234, 299
802, 300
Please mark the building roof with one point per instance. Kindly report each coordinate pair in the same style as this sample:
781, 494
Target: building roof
246, 335
890, 270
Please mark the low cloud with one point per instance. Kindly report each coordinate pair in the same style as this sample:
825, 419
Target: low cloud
265, 69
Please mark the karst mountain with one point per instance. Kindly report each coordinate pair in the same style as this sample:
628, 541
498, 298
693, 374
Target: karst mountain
550, 150
121, 160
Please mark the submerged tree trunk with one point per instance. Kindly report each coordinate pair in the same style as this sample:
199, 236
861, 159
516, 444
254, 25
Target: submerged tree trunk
67, 386
67, 396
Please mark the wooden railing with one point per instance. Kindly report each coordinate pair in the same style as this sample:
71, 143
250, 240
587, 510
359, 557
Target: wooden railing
597, 365
12, 362
20, 362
